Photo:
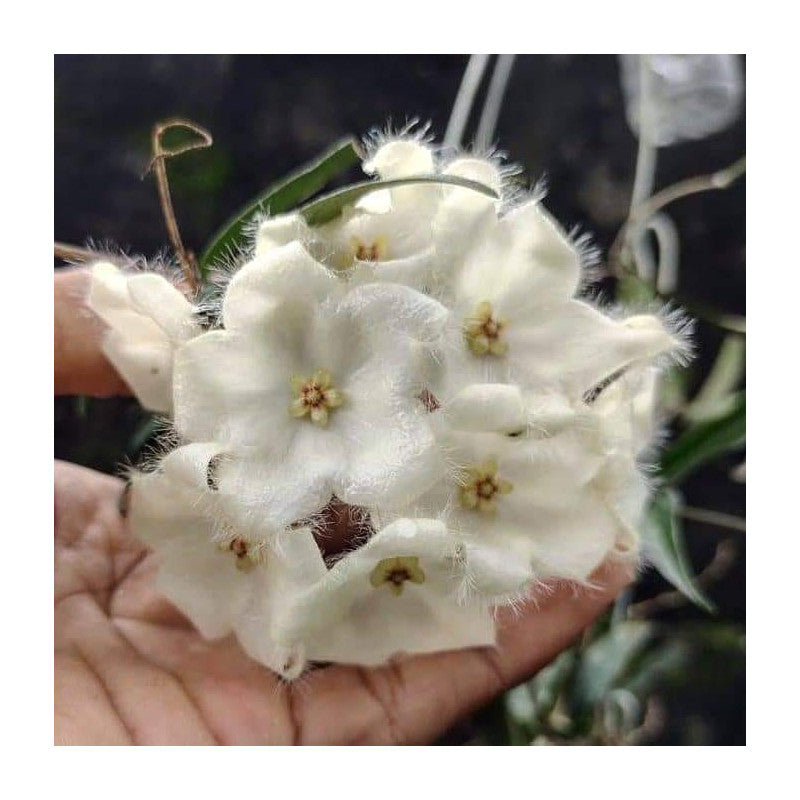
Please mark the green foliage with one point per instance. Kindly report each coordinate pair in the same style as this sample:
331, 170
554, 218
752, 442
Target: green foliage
282, 196
664, 547
602, 691
605, 661
717, 396
705, 441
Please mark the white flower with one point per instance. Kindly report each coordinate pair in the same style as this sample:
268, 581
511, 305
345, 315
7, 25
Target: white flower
510, 283
551, 483
224, 580
386, 236
393, 595
314, 388
422, 356
148, 320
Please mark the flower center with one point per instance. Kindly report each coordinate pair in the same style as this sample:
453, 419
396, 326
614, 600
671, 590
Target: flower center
247, 554
394, 572
398, 576
481, 487
315, 397
369, 251
483, 332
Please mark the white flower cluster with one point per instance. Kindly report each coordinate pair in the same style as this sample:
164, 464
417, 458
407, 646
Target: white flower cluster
423, 357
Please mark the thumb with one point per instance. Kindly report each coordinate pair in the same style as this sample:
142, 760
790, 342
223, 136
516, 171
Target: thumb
79, 365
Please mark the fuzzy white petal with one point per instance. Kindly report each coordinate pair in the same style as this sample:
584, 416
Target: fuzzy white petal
580, 346
283, 486
522, 263
288, 572
394, 310
480, 170
157, 299
396, 235
278, 231
345, 618
144, 360
493, 575
173, 518
400, 158
487, 407
229, 389
417, 270
147, 318
203, 582
390, 465
284, 276
390, 453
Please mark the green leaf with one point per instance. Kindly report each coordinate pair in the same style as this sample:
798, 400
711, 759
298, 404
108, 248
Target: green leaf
330, 206
664, 548
664, 662
606, 660
283, 196
718, 393
697, 654
545, 688
704, 442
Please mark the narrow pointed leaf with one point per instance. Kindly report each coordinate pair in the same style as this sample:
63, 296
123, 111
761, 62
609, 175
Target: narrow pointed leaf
330, 206
704, 442
664, 548
283, 196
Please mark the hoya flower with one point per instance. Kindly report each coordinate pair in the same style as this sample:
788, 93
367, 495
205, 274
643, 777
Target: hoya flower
148, 319
550, 482
313, 388
223, 579
423, 356
510, 283
395, 594
387, 234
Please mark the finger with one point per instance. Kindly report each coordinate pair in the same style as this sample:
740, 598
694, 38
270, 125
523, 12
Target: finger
93, 545
415, 700
80, 367
573, 609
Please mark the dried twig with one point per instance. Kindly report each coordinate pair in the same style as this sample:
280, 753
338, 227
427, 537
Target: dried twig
186, 257
72, 253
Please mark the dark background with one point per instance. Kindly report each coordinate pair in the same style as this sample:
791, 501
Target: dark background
563, 118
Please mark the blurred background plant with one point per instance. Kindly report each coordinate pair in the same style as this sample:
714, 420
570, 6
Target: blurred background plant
663, 195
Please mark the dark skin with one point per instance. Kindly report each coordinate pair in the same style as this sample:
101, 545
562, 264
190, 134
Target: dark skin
130, 669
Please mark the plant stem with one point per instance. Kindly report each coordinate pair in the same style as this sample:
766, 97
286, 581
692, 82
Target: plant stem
185, 257
494, 101
701, 183
464, 100
70, 252
644, 177
718, 518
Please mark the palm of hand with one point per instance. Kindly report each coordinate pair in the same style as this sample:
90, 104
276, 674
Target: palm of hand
130, 668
